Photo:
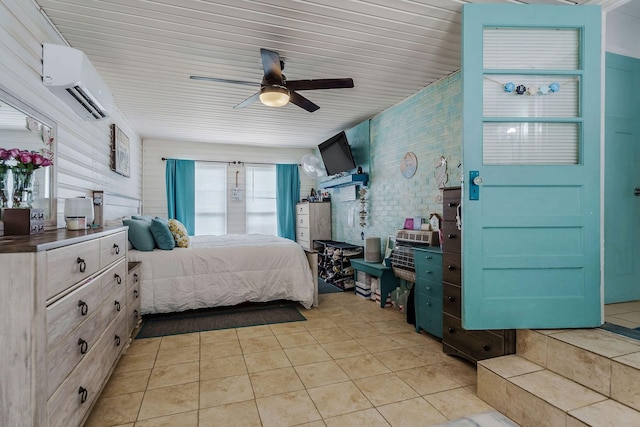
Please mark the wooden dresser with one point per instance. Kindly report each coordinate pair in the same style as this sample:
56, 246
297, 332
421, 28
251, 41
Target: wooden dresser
63, 299
471, 345
313, 222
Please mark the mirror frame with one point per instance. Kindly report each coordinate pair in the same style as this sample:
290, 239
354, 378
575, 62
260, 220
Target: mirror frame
9, 98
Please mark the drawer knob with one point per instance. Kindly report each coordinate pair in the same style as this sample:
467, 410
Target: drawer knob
117, 304
486, 347
428, 304
451, 236
451, 330
451, 299
118, 279
429, 272
135, 277
84, 308
428, 257
83, 394
428, 288
451, 267
452, 205
135, 314
117, 339
83, 265
116, 248
135, 293
84, 346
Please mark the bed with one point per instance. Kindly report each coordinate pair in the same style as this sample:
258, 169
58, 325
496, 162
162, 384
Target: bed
223, 271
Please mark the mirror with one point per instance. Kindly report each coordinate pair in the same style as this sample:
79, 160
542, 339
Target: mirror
25, 128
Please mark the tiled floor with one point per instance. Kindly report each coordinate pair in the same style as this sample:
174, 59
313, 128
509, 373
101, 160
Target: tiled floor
625, 314
350, 364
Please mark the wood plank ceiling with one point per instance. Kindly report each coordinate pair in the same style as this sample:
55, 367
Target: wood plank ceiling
146, 50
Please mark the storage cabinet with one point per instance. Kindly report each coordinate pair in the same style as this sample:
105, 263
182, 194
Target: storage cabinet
471, 345
63, 305
134, 278
334, 262
313, 222
428, 290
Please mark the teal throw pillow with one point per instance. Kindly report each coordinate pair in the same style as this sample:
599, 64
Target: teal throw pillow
140, 235
161, 234
145, 218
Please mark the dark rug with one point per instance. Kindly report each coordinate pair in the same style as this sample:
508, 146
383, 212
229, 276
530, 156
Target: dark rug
209, 319
327, 288
621, 330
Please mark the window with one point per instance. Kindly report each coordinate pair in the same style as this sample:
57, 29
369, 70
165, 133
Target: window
261, 199
211, 198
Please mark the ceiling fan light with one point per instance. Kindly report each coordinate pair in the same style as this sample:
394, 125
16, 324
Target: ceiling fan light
274, 96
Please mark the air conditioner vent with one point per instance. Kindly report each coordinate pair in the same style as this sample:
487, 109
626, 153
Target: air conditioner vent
87, 101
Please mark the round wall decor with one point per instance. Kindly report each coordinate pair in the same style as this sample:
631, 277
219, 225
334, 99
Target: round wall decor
409, 165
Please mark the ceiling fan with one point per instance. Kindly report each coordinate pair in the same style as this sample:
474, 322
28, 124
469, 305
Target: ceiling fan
276, 90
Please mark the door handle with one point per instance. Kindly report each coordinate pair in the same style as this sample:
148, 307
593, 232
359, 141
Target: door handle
475, 180
636, 192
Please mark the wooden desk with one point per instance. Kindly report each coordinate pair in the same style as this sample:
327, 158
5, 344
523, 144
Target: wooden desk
387, 280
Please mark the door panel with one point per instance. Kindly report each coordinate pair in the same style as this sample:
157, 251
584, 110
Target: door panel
531, 242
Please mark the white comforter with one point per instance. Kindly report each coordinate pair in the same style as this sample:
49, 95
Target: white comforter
223, 271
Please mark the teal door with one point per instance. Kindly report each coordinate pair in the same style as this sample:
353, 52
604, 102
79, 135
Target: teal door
531, 140
622, 177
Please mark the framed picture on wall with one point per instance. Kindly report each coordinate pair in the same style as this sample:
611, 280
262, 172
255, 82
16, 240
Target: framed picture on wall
120, 152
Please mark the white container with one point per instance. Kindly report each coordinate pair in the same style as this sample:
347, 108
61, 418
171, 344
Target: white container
76, 222
79, 206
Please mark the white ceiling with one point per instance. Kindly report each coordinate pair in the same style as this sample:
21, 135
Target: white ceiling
146, 50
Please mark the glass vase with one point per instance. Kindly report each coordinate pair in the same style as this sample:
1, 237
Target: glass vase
22, 188
4, 190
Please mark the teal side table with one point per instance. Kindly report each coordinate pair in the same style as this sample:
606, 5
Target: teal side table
387, 280
428, 290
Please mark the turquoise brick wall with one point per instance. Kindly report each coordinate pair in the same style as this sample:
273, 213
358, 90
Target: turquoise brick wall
429, 124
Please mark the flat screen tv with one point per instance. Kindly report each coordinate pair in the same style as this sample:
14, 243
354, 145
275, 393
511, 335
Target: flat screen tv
336, 154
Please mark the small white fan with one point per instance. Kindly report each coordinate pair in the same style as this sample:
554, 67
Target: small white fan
313, 166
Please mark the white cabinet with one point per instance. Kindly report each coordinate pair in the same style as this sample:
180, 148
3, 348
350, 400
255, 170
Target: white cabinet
313, 222
63, 305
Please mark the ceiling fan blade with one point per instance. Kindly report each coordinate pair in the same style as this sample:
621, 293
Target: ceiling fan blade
217, 80
271, 66
319, 84
302, 102
253, 98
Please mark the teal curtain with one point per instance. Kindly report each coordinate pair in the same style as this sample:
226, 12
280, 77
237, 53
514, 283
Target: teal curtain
181, 181
287, 195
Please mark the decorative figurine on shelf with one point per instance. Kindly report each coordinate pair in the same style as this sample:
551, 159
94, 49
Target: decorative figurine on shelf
363, 212
434, 221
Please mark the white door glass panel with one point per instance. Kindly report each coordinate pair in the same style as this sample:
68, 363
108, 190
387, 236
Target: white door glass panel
545, 96
531, 49
530, 143
210, 199
261, 200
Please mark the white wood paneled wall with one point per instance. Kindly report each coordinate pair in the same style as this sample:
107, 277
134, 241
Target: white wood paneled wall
83, 147
154, 198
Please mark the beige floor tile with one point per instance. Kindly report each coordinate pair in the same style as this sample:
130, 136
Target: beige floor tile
110, 411
338, 399
307, 354
223, 349
427, 379
457, 403
225, 390
532, 346
621, 322
492, 388
316, 323
625, 380
613, 309
185, 419
411, 413
328, 335
318, 423
182, 340
254, 332
384, 389
607, 413
222, 367
411, 339
349, 319
287, 409
633, 316
528, 410
164, 376
334, 311
342, 349
126, 382
430, 353
510, 366
288, 328
135, 362
320, 373
368, 417
169, 400
599, 341
378, 343
296, 339
460, 371
267, 360
240, 414
144, 345
218, 336
276, 381
399, 360
593, 371
362, 331
259, 344
177, 355
362, 366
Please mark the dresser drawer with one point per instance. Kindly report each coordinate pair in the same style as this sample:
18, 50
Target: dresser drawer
452, 268
429, 314
302, 221
425, 259
302, 208
114, 305
477, 344
112, 247
114, 279
450, 203
71, 264
429, 288
451, 237
451, 299
66, 314
133, 283
302, 233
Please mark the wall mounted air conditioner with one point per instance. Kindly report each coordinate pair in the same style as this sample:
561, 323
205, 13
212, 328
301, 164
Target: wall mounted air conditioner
68, 73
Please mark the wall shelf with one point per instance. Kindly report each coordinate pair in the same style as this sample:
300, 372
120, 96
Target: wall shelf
343, 181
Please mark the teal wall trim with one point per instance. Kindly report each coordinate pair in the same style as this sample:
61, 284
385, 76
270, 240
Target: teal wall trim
429, 124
